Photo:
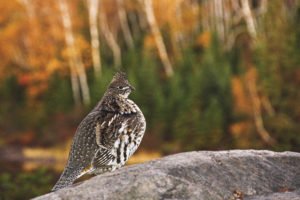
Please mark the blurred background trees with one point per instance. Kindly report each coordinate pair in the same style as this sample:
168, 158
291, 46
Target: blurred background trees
209, 75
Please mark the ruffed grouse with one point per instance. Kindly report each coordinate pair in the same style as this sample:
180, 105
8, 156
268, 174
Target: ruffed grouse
107, 136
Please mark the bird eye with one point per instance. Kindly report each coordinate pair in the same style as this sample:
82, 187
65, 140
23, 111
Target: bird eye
122, 87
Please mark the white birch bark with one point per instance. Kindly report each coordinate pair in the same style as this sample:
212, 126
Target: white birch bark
250, 20
74, 83
93, 6
263, 7
75, 62
218, 7
110, 39
148, 6
124, 23
204, 16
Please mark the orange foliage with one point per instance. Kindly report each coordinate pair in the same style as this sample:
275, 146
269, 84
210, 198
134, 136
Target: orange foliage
241, 99
238, 129
32, 42
179, 18
12, 25
27, 137
110, 9
204, 39
149, 42
24, 79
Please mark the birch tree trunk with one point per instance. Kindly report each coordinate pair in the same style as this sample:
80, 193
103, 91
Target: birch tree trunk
250, 21
74, 83
124, 23
75, 62
263, 6
218, 7
212, 13
111, 41
148, 6
93, 6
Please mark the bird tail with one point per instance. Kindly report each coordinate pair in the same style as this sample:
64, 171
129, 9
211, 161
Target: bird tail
67, 178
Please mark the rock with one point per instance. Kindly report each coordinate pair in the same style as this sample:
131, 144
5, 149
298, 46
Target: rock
232, 175
295, 195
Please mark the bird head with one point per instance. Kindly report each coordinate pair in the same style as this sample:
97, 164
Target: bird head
120, 85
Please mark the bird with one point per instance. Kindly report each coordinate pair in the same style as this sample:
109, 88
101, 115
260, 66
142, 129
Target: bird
107, 136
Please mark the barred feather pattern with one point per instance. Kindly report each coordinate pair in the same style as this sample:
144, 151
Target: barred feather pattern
107, 136
118, 137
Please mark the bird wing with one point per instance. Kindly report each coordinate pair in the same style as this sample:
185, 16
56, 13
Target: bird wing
113, 137
102, 158
114, 124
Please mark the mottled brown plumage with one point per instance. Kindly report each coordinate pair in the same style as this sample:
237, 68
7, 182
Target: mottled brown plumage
107, 136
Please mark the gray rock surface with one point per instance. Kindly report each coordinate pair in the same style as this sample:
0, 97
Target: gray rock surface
232, 175
294, 195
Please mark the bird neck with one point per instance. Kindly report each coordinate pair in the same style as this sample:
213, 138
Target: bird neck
110, 102
109, 94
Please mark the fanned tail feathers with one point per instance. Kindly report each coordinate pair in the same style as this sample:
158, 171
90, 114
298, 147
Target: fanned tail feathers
67, 178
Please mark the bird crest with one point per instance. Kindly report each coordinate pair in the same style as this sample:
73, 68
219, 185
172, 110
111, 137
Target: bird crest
120, 84
119, 76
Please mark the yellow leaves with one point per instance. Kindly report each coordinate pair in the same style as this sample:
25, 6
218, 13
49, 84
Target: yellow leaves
131, 5
179, 18
35, 91
53, 65
85, 51
11, 29
8, 10
109, 8
164, 11
24, 79
82, 50
189, 17
178, 14
240, 128
35, 83
149, 42
241, 99
204, 39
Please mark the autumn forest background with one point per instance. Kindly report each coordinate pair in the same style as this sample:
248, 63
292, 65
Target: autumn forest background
209, 75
